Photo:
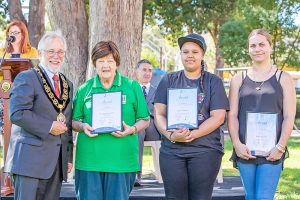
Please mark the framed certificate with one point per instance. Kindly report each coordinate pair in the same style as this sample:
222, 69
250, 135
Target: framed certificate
107, 112
182, 108
261, 132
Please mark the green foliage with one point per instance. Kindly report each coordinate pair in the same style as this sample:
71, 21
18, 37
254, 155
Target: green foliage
168, 15
274, 16
233, 42
3, 14
210, 15
149, 55
176, 17
229, 23
289, 184
156, 46
87, 7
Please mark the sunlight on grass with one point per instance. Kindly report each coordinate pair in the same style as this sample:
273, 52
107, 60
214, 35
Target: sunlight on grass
289, 184
148, 165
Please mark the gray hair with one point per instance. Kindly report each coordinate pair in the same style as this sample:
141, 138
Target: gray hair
50, 36
142, 62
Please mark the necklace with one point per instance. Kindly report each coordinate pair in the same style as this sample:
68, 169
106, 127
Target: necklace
258, 88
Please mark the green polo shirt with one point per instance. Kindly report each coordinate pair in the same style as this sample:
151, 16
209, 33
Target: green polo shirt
107, 153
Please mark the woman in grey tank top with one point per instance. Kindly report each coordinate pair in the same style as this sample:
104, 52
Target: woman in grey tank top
261, 117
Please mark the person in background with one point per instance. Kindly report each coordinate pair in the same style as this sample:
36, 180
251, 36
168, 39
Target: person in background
21, 47
40, 151
106, 164
190, 159
144, 71
262, 89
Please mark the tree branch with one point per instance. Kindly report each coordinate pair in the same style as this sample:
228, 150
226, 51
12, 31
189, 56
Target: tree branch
291, 49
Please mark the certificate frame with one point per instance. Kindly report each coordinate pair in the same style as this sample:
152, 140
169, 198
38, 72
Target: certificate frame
110, 104
185, 101
261, 132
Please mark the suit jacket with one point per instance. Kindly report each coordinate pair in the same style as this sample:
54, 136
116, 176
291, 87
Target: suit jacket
151, 133
33, 151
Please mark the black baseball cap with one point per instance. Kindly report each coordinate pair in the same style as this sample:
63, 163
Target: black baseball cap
193, 37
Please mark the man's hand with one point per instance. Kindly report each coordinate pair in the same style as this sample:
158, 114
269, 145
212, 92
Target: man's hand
58, 128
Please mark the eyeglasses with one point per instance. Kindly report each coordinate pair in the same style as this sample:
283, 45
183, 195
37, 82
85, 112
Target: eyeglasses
51, 53
111, 61
15, 33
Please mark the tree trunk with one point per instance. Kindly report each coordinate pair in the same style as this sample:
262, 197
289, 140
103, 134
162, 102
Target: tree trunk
219, 61
70, 17
15, 10
214, 32
121, 22
36, 21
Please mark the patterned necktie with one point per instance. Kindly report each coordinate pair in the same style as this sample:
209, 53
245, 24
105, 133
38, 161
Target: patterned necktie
56, 85
144, 91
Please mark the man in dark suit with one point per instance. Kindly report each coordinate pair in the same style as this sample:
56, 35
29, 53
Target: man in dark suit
144, 71
40, 150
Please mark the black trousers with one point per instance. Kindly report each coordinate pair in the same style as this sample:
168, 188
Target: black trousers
28, 188
189, 177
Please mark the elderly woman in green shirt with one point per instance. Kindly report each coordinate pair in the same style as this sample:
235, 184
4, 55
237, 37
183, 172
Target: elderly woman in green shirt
106, 164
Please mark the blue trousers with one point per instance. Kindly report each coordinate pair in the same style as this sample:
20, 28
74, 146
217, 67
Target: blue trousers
260, 180
91, 185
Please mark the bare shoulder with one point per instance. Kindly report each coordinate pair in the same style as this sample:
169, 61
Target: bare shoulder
286, 78
237, 79
287, 83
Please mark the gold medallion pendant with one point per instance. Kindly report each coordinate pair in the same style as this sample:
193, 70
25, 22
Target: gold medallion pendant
59, 104
61, 118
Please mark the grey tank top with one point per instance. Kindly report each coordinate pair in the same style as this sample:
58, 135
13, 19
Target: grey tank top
268, 99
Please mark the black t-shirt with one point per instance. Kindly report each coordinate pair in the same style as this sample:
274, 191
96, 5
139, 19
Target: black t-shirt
212, 98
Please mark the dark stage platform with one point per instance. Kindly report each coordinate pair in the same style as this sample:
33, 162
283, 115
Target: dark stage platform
230, 189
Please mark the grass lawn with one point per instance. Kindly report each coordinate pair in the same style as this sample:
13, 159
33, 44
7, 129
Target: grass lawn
289, 185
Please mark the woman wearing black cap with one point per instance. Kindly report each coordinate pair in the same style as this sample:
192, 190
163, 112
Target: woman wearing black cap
190, 159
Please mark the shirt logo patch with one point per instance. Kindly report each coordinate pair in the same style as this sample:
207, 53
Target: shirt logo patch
200, 97
123, 99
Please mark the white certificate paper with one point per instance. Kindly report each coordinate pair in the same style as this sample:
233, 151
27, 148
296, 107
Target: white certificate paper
182, 108
261, 132
107, 112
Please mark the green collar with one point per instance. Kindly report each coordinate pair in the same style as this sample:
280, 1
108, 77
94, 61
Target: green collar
117, 81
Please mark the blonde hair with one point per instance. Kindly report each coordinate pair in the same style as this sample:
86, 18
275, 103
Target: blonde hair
261, 32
